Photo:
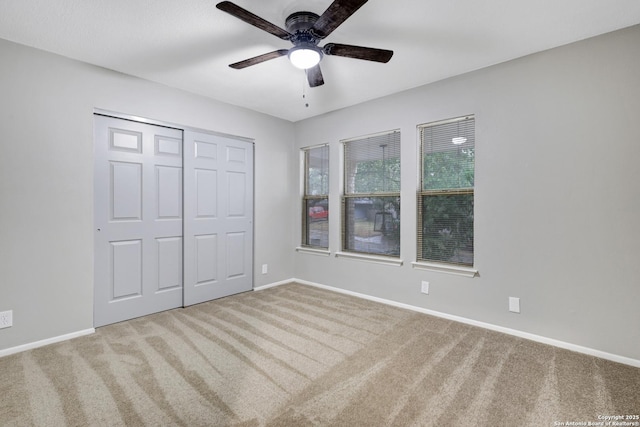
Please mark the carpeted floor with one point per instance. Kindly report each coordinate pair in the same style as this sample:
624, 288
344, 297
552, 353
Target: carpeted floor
300, 356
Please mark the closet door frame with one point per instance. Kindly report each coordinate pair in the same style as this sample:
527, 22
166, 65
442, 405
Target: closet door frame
247, 276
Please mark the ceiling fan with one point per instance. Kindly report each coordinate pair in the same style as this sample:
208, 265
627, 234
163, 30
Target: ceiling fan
305, 30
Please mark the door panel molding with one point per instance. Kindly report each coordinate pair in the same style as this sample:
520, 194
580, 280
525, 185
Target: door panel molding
218, 201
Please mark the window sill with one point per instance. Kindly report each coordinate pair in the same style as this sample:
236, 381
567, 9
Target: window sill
313, 251
446, 268
397, 262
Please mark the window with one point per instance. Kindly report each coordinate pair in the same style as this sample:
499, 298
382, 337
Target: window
445, 199
315, 203
371, 201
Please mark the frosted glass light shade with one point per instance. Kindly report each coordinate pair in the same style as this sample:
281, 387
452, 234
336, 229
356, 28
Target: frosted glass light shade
304, 58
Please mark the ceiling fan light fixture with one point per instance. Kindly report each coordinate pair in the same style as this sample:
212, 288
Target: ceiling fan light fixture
305, 57
305, 30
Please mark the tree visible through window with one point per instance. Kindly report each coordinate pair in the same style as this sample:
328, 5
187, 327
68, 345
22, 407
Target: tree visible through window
371, 202
315, 204
445, 199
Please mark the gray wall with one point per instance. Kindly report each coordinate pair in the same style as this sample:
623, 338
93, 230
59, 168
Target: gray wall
557, 198
46, 182
557, 194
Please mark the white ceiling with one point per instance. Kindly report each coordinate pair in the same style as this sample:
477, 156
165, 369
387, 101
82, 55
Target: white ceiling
188, 44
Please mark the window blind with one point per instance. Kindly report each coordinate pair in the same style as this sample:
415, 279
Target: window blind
372, 164
371, 200
446, 196
315, 201
317, 171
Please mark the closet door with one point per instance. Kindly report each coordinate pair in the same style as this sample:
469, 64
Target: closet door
138, 192
218, 212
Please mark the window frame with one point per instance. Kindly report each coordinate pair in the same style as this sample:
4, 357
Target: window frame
461, 268
306, 198
349, 252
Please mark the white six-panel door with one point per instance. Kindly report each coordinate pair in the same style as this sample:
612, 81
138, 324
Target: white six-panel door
173, 218
138, 219
218, 211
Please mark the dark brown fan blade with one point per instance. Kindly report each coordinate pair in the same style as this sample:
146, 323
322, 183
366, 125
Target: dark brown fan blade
252, 19
314, 76
258, 59
358, 52
336, 14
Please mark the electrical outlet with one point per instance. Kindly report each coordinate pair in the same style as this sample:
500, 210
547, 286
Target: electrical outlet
425, 287
514, 305
265, 268
6, 319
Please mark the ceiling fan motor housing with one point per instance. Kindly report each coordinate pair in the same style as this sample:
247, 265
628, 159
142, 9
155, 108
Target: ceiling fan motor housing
299, 25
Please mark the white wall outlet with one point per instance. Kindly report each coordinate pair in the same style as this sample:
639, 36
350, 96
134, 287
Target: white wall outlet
514, 305
265, 268
425, 287
6, 319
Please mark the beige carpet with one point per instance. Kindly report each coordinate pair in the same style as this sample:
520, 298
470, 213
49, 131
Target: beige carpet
301, 356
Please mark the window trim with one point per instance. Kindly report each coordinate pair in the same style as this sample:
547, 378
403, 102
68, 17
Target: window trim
313, 250
377, 259
456, 269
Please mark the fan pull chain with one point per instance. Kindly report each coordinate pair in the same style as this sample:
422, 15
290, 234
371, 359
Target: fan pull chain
304, 90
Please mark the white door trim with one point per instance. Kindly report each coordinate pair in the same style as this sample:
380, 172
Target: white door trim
164, 123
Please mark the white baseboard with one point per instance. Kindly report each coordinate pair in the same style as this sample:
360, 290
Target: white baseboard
508, 331
273, 285
29, 346
53, 340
